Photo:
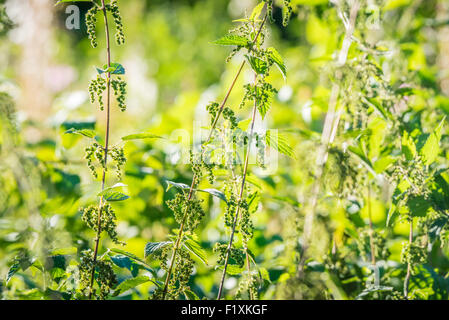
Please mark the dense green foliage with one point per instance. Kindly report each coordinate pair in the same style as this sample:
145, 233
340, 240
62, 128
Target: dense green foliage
269, 150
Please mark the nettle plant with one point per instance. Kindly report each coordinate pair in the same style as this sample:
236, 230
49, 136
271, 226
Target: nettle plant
100, 217
374, 140
234, 257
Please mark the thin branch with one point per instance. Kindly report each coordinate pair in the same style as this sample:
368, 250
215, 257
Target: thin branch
103, 180
242, 189
329, 132
192, 186
409, 266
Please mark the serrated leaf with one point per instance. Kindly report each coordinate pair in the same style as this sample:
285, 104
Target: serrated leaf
195, 248
385, 113
257, 11
171, 184
84, 132
115, 186
279, 142
115, 68
277, 59
12, 271
139, 136
408, 146
131, 284
373, 289
264, 274
431, 148
215, 193
123, 261
258, 65
232, 40
233, 269
112, 196
190, 295
152, 247
133, 257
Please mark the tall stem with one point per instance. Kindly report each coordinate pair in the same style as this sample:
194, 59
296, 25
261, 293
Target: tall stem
192, 186
329, 132
103, 180
371, 240
409, 266
242, 189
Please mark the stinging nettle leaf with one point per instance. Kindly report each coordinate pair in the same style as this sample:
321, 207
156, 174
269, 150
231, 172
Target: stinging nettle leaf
431, 148
152, 247
84, 132
116, 68
112, 196
12, 271
279, 142
133, 257
171, 184
277, 59
232, 40
190, 295
257, 11
131, 284
215, 193
139, 136
259, 66
106, 190
195, 248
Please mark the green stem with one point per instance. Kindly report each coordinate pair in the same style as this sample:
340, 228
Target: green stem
409, 266
242, 189
192, 186
103, 180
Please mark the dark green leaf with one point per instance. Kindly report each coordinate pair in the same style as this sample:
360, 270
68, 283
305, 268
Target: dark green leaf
152, 247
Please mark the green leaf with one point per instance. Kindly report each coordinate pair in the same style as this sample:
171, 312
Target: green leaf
84, 132
190, 295
280, 143
257, 11
373, 289
264, 274
139, 136
232, 40
195, 248
64, 251
259, 66
130, 284
123, 261
115, 68
12, 271
408, 146
152, 247
215, 193
171, 184
112, 196
431, 148
115, 186
133, 257
418, 206
358, 151
277, 59
233, 269
372, 102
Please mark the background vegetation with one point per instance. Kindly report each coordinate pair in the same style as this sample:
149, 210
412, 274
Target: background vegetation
358, 212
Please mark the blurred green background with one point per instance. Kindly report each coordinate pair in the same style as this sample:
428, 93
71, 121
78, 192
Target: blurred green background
173, 71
